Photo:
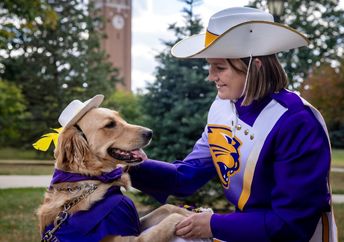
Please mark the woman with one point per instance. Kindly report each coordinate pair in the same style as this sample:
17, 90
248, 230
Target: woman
268, 146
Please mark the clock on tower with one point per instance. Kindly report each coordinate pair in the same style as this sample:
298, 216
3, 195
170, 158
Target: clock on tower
117, 41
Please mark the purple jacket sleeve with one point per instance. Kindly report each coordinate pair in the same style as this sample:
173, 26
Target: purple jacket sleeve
299, 193
180, 178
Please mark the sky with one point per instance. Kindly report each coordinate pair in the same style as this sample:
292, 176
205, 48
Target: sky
150, 20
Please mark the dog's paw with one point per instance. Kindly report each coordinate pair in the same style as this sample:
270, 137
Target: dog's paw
173, 219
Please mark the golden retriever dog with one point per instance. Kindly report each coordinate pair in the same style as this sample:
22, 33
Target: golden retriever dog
98, 144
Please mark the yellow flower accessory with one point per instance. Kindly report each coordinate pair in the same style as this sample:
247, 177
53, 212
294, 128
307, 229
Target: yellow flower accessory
44, 142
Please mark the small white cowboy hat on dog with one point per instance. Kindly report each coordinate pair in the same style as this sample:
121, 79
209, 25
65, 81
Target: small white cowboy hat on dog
77, 109
240, 32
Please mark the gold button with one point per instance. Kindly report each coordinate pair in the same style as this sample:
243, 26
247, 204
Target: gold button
251, 136
238, 127
246, 132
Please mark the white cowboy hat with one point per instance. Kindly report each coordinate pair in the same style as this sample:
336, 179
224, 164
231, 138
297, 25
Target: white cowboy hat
237, 33
77, 109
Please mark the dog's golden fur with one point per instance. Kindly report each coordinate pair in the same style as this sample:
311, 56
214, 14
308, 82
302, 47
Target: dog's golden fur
86, 151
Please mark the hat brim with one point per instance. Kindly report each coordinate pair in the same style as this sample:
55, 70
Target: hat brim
256, 38
89, 104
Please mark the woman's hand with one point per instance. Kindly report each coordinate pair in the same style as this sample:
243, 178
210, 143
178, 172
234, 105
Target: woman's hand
196, 226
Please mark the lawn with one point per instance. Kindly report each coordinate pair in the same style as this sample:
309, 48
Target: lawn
338, 157
29, 169
18, 221
24, 154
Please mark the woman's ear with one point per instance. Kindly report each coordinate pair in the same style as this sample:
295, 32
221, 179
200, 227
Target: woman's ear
258, 63
72, 150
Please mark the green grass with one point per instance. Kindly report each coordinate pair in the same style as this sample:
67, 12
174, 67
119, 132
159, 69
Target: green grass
337, 182
21, 154
338, 157
18, 221
8, 169
339, 216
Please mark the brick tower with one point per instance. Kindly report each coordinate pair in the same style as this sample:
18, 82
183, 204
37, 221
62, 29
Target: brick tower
117, 43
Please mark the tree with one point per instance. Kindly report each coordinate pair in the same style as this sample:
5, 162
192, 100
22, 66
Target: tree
55, 64
22, 16
12, 114
324, 88
127, 104
177, 103
322, 22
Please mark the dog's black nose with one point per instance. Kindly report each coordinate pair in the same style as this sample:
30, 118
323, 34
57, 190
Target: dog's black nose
147, 134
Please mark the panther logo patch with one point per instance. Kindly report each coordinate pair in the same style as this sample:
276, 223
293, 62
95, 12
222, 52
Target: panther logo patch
225, 151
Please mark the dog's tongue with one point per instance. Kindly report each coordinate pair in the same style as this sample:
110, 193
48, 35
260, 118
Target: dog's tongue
139, 154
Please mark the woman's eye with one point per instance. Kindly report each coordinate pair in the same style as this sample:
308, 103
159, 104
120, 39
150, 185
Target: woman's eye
220, 68
110, 125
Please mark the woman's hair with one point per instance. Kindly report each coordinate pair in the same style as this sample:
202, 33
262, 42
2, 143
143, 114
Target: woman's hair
263, 80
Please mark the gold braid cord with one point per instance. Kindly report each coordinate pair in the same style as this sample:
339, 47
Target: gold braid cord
63, 215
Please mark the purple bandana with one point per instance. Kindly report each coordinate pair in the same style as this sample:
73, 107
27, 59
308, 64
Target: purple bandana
106, 177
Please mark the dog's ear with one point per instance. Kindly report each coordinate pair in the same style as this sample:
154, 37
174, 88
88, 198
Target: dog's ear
72, 149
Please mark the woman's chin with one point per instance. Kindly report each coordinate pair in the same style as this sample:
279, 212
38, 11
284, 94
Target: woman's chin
226, 95
222, 95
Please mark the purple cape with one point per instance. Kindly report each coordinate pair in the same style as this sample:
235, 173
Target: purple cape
115, 214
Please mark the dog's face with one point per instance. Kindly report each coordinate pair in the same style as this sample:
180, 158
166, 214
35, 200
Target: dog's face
110, 137
104, 141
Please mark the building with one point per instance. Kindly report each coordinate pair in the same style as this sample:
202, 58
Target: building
117, 43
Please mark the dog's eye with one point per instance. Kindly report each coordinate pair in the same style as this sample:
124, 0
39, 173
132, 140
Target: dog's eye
110, 125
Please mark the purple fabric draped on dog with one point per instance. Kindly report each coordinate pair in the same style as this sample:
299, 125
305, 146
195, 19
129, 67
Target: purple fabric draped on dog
115, 214
106, 177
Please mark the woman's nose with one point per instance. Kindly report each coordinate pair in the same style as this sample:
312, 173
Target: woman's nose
212, 77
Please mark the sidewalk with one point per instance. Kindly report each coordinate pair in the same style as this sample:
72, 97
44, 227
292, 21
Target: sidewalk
17, 181
44, 181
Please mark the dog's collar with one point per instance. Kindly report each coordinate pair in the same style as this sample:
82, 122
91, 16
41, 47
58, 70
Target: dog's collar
106, 177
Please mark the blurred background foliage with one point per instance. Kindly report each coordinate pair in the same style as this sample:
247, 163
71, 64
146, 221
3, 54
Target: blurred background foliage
50, 50
50, 54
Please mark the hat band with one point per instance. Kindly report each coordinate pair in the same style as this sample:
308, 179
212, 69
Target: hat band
209, 38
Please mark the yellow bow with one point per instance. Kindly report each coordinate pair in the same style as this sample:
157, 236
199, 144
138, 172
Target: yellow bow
44, 142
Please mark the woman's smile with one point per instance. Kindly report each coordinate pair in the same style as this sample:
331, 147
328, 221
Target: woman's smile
218, 85
228, 81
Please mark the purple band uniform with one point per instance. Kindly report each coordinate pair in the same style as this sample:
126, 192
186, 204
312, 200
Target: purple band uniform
288, 192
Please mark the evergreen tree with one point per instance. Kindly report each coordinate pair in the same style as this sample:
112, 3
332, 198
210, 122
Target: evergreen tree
177, 104
12, 113
177, 101
127, 104
322, 22
58, 63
